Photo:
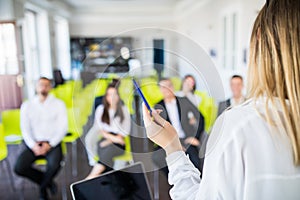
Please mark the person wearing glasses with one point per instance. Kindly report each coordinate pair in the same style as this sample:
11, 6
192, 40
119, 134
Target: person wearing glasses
253, 151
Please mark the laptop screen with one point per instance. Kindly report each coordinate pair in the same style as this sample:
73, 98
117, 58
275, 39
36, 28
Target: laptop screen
128, 183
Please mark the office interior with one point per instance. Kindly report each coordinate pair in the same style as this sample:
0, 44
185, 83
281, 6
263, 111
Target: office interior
83, 45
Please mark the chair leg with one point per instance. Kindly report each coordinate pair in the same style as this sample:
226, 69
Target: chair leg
74, 158
64, 183
156, 184
10, 176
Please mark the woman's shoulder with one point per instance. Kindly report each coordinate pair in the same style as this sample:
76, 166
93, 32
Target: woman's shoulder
234, 124
241, 111
99, 108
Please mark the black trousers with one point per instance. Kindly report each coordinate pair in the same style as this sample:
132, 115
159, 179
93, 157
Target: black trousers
24, 166
106, 154
159, 158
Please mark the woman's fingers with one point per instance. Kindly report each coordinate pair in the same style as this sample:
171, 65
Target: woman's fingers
146, 116
152, 127
160, 131
158, 119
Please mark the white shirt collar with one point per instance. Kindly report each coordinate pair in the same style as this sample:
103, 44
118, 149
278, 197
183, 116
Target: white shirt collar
47, 100
235, 103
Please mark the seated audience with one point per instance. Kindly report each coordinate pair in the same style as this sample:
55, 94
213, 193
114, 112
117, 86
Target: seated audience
187, 90
236, 85
113, 121
44, 124
186, 119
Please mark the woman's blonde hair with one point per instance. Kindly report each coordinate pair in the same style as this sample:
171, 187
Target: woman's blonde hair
274, 70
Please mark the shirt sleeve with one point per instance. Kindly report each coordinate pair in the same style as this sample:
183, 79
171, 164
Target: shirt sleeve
98, 115
223, 172
62, 125
25, 126
184, 177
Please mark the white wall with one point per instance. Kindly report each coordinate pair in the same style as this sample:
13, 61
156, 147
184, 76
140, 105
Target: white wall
6, 10
191, 28
194, 27
204, 27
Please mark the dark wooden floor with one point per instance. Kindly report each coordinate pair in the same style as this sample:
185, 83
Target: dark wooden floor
28, 190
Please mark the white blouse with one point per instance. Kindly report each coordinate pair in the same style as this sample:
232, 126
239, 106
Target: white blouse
115, 125
245, 159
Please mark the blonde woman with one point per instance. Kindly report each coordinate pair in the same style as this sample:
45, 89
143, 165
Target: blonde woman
254, 149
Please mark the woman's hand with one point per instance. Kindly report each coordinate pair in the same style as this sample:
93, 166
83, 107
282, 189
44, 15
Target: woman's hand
192, 141
118, 139
105, 143
160, 131
113, 138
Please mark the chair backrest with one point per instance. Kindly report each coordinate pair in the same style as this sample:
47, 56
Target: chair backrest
127, 144
3, 147
176, 83
100, 86
126, 92
127, 156
74, 126
151, 91
11, 122
208, 109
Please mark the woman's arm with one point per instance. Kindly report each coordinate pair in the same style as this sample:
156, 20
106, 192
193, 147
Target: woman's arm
184, 177
118, 138
182, 174
224, 168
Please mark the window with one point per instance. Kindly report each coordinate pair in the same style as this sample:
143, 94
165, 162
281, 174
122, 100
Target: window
36, 44
229, 41
62, 45
8, 49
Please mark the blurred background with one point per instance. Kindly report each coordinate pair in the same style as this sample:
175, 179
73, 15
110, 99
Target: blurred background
83, 44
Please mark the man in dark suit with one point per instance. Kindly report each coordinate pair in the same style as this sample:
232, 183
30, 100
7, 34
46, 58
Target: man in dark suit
236, 85
188, 122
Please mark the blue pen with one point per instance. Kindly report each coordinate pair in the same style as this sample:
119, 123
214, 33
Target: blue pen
141, 95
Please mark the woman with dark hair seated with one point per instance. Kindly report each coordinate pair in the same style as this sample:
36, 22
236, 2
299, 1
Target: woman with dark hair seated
113, 120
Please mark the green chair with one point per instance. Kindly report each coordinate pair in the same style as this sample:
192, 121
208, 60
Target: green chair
3, 157
176, 83
127, 156
65, 93
75, 130
76, 86
11, 125
151, 91
208, 109
100, 87
126, 92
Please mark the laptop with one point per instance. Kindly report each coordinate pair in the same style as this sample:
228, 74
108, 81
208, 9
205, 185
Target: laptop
129, 183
